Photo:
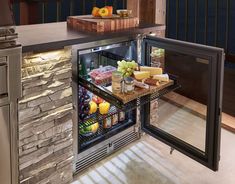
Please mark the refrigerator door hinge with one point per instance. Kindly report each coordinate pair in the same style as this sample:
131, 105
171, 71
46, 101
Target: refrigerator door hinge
171, 151
110, 148
136, 129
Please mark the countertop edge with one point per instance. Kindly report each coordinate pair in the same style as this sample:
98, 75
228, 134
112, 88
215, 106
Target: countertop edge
71, 37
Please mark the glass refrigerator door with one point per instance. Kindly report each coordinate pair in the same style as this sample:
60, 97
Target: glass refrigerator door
187, 119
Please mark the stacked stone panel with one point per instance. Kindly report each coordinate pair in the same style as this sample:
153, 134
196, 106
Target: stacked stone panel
45, 118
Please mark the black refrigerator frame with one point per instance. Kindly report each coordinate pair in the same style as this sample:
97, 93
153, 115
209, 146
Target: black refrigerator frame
211, 156
215, 56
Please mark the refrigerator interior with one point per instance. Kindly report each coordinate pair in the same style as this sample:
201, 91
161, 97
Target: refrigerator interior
173, 110
92, 128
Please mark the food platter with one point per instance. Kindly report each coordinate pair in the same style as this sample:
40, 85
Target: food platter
138, 92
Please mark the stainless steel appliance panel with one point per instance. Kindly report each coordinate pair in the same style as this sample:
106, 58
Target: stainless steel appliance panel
5, 155
13, 72
3, 78
10, 87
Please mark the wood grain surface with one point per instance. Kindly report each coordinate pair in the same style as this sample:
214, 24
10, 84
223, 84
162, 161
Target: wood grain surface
91, 24
138, 92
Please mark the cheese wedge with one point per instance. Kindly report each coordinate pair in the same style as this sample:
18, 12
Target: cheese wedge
152, 70
141, 75
163, 77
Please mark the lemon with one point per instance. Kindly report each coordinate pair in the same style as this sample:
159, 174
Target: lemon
95, 127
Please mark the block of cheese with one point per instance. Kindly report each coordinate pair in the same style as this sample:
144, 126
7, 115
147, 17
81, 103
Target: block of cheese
141, 75
163, 77
152, 70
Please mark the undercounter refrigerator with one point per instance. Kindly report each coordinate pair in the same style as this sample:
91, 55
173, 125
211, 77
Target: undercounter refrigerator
128, 86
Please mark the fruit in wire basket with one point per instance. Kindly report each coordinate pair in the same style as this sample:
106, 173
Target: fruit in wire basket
90, 129
95, 127
97, 99
93, 107
104, 108
83, 103
127, 67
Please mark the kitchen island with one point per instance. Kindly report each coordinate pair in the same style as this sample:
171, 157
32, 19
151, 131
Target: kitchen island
52, 36
45, 109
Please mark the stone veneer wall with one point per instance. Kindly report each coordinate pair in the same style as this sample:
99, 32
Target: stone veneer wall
45, 119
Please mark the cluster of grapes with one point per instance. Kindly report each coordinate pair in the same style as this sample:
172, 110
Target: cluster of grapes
83, 103
127, 67
157, 53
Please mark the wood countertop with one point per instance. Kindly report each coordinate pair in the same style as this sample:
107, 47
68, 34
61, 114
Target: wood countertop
51, 36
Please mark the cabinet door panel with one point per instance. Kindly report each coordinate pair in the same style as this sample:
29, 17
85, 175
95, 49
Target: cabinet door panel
187, 119
5, 162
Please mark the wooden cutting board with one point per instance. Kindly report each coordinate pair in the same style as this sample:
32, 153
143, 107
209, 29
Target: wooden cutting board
92, 24
138, 92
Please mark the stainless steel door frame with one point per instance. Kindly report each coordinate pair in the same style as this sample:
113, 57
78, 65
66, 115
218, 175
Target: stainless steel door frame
5, 143
14, 142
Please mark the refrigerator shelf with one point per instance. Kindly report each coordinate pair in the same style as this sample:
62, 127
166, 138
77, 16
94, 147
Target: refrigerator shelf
111, 98
103, 134
96, 117
148, 98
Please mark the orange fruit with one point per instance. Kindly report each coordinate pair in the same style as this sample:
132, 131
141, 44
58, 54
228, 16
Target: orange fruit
95, 12
110, 8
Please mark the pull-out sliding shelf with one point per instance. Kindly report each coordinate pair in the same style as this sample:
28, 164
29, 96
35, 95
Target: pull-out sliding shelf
134, 101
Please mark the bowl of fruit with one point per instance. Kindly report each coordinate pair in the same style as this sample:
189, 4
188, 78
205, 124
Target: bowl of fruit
88, 130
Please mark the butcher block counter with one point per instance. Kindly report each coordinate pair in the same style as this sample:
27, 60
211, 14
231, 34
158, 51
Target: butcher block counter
52, 36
